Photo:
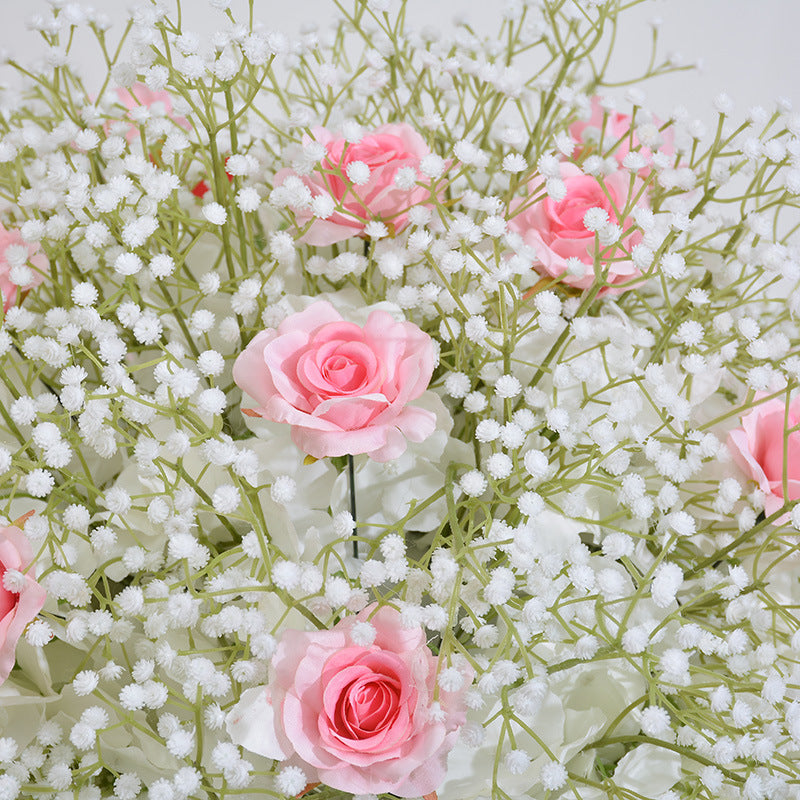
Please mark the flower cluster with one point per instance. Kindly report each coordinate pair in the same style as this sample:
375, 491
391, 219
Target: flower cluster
389, 413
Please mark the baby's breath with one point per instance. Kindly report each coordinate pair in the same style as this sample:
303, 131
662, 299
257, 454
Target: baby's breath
578, 529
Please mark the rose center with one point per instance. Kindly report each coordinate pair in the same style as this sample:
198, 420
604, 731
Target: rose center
344, 373
572, 209
370, 705
383, 154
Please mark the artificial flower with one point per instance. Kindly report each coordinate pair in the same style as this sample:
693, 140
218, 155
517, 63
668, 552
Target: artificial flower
560, 239
159, 102
21, 597
614, 129
768, 451
22, 266
360, 178
344, 389
356, 717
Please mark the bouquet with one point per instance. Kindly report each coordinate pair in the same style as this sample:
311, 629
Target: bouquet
387, 413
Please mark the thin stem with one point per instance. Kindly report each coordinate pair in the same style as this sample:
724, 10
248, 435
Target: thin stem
351, 482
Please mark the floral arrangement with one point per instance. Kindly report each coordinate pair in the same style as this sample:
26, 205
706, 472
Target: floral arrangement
390, 413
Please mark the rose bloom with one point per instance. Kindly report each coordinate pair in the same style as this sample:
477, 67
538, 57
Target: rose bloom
556, 231
344, 389
22, 601
384, 151
616, 127
159, 102
758, 448
357, 718
22, 265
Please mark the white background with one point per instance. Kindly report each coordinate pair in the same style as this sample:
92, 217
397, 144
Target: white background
749, 47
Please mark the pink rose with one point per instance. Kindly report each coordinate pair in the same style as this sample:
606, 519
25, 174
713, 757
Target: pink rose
556, 231
159, 102
758, 448
21, 598
384, 151
22, 265
361, 719
343, 389
616, 127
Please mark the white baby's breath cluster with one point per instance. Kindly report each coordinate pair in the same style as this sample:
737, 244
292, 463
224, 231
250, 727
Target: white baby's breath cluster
576, 528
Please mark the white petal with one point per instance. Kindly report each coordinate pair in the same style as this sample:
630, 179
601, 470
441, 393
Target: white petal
648, 770
250, 723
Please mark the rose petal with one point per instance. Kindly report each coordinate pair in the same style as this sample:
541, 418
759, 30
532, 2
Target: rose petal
249, 372
251, 724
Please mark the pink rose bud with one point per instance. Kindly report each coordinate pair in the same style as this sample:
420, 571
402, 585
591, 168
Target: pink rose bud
22, 266
758, 448
360, 180
344, 389
358, 718
558, 233
21, 598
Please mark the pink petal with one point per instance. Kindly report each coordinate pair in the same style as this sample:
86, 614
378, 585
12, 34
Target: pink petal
250, 373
